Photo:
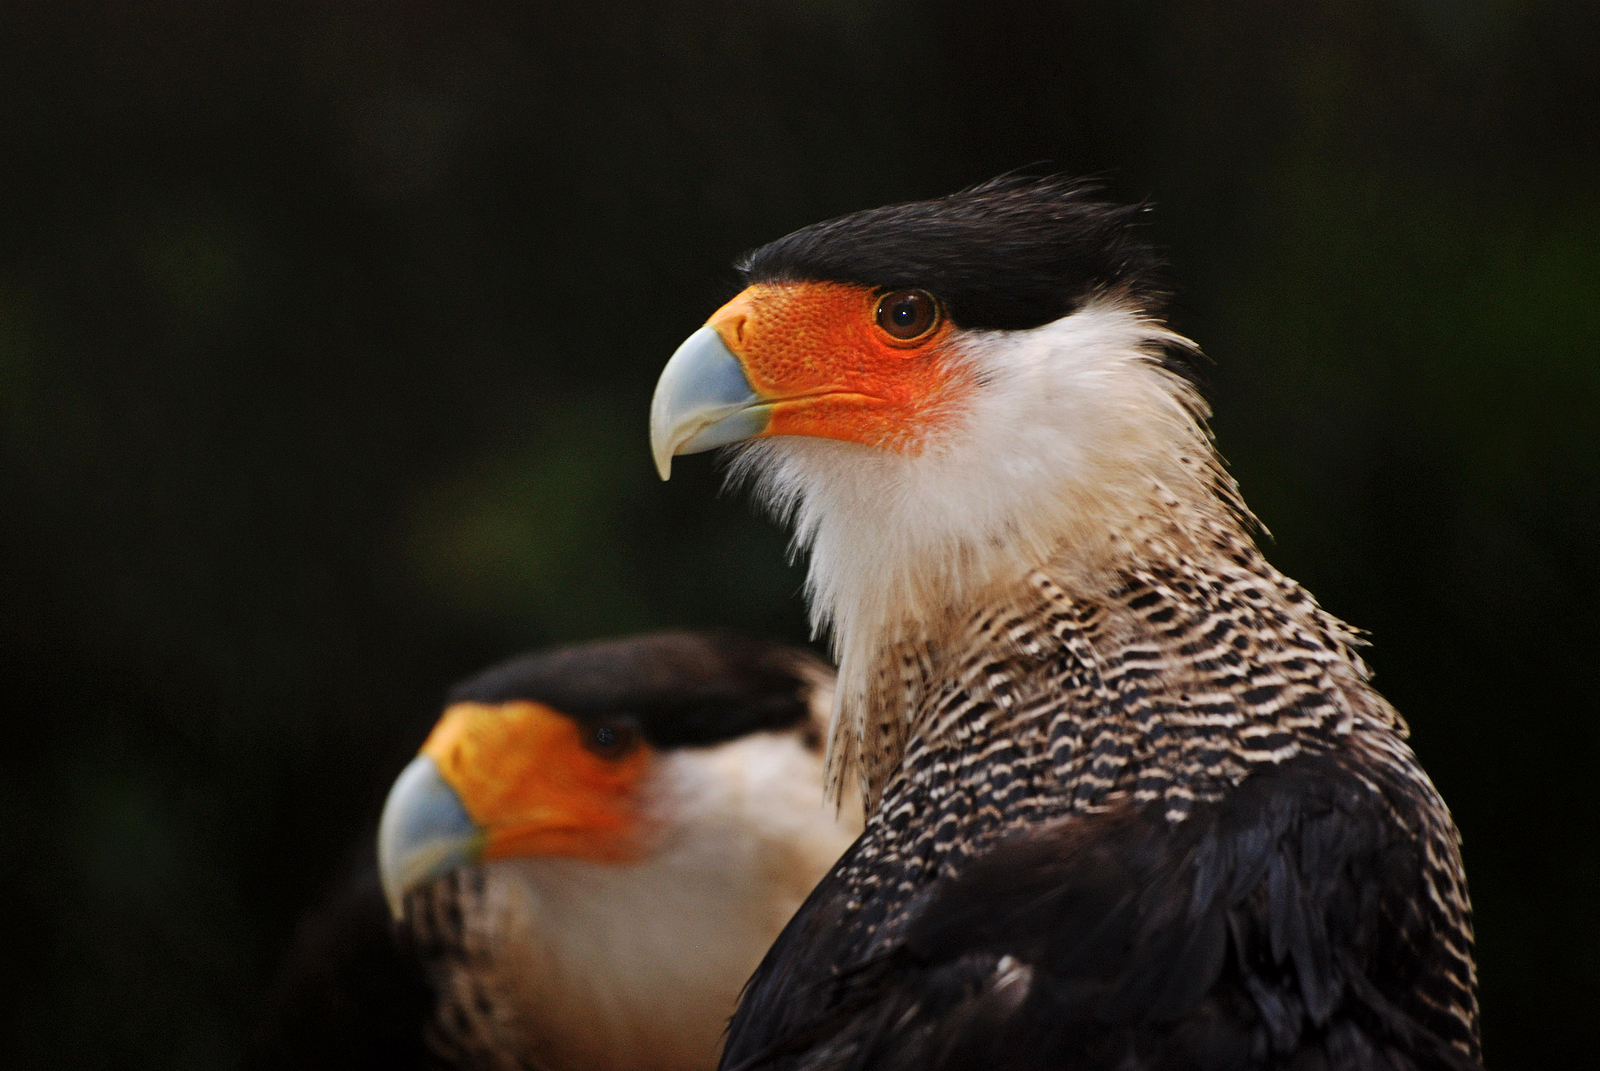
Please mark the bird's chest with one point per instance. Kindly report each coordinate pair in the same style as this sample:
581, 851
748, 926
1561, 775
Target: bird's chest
1168, 690
947, 804
613, 975
997, 769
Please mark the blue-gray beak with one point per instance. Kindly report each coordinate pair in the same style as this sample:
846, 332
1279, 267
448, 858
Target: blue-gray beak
425, 832
703, 400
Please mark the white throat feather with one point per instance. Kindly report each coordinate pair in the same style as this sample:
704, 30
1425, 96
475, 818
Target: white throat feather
618, 968
1074, 437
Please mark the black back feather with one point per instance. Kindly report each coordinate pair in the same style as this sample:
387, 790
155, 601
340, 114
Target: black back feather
352, 993
1275, 928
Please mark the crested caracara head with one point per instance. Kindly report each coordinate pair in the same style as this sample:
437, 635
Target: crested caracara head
597, 844
940, 395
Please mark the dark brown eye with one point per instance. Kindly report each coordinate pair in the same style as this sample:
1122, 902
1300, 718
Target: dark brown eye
907, 314
610, 739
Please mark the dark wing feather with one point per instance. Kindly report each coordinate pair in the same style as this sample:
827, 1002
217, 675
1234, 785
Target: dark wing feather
1277, 928
350, 995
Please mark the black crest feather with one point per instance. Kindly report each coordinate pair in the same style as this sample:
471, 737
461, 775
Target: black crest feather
684, 689
1012, 253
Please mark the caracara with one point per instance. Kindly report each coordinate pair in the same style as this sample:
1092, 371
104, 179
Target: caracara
588, 858
1132, 801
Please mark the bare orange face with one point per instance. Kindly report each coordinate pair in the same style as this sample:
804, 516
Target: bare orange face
844, 362
541, 783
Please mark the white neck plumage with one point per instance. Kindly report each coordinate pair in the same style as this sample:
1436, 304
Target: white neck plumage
1075, 440
623, 968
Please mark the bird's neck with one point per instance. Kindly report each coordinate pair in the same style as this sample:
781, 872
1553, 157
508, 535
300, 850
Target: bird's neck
1094, 606
1157, 686
1072, 516
1076, 454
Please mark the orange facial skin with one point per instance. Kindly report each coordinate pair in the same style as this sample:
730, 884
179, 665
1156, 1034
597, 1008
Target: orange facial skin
525, 775
816, 349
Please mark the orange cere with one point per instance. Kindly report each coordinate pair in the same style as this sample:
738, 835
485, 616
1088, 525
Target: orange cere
524, 774
817, 351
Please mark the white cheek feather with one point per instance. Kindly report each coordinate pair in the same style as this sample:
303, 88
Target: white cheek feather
1072, 434
641, 964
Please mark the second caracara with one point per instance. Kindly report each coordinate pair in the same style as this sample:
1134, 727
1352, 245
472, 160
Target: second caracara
593, 850
1132, 802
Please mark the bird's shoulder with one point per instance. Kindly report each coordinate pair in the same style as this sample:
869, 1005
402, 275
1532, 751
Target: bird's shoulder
350, 994
1279, 926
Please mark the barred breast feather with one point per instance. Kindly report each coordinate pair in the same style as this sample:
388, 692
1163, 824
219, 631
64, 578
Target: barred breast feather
1189, 763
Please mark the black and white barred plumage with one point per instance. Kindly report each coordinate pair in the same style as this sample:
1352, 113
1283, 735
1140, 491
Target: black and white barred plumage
1043, 746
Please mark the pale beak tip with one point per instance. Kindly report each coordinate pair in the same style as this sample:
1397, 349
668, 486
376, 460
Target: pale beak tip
397, 905
425, 832
703, 400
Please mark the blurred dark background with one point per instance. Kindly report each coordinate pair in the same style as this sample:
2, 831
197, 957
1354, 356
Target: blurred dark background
327, 332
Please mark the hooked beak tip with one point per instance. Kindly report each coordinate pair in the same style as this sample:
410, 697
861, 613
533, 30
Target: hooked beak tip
703, 400
425, 832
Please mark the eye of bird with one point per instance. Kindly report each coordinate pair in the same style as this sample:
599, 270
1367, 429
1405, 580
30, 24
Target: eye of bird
904, 315
611, 739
